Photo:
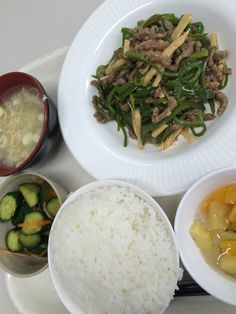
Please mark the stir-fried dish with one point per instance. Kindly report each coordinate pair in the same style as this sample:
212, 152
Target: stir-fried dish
214, 229
164, 81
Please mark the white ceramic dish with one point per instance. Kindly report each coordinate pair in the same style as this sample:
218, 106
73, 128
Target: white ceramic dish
210, 279
97, 147
62, 284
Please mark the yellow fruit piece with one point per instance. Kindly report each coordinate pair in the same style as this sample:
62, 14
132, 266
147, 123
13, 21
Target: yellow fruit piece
232, 226
228, 264
220, 194
230, 197
201, 235
218, 216
206, 204
228, 235
228, 247
232, 214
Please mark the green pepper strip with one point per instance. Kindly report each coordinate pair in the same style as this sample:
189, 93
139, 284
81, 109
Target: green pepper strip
225, 82
195, 56
212, 105
200, 133
100, 69
125, 90
109, 99
199, 26
189, 68
126, 34
197, 123
154, 19
199, 36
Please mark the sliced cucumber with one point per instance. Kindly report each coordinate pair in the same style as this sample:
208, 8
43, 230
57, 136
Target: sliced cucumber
46, 193
20, 214
29, 241
30, 192
32, 223
13, 240
9, 204
53, 206
41, 247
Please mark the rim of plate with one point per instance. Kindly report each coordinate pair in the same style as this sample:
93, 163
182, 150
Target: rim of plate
171, 172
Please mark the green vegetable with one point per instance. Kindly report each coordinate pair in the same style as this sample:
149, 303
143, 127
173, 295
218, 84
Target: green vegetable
154, 19
13, 240
29, 241
53, 206
32, 223
20, 214
30, 193
46, 193
8, 205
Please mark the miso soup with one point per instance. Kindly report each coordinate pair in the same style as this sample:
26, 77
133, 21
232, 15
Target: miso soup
21, 124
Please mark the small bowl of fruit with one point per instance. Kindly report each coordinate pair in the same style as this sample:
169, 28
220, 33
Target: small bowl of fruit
205, 227
28, 204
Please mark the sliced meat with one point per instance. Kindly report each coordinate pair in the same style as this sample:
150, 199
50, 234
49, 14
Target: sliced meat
192, 115
217, 72
186, 53
175, 126
146, 33
227, 70
208, 117
149, 100
156, 57
120, 81
157, 92
155, 44
223, 102
210, 60
168, 25
172, 103
125, 107
220, 56
197, 45
99, 117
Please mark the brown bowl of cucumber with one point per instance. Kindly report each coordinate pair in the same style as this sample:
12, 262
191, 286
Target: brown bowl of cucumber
28, 204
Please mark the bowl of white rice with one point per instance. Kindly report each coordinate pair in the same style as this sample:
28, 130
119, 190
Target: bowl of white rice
112, 250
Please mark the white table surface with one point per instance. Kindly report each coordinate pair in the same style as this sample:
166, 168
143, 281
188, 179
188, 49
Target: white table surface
32, 28
28, 30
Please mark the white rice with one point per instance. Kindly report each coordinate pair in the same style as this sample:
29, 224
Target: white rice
114, 254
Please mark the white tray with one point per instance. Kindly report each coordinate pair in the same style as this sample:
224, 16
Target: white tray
36, 295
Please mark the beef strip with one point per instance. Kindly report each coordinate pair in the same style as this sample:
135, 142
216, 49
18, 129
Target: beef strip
185, 53
156, 57
146, 33
172, 103
220, 56
151, 44
208, 117
223, 102
125, 107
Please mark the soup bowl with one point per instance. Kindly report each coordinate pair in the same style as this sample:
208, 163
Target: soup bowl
208, 276
50, 131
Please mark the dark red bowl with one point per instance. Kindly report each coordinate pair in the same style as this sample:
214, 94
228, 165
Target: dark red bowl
51, 129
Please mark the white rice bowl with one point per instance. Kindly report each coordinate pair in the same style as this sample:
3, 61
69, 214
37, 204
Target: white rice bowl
112, 251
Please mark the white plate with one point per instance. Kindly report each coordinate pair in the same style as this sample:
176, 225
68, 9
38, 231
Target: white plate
98, 148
